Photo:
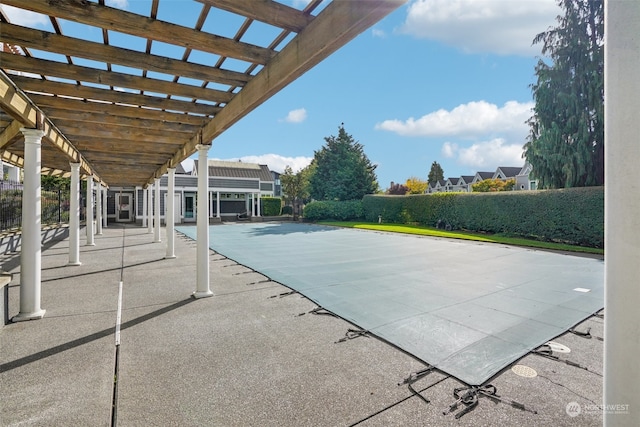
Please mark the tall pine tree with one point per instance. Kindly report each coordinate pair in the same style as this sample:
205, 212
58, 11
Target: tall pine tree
342, 170
435, 174
566, 139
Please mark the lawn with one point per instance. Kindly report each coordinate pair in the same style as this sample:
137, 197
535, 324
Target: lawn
434, 232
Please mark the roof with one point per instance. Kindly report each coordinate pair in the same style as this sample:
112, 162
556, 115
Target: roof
484, 175
510, 171
129, 114
223, 169
467, 178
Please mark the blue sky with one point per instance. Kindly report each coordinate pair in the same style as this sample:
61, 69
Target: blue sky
437, 80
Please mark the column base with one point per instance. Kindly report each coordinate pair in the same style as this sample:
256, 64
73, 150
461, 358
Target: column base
74, 264
22, 317
169, 256
90, 244
157, 241
202, 294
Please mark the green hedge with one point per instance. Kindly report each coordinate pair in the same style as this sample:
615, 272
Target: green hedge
574, 215
340, 211
271, 206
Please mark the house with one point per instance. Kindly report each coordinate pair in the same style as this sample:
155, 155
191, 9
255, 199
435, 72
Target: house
234, 189
464, 183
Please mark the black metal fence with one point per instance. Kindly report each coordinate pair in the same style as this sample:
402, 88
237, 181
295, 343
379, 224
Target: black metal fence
54, 203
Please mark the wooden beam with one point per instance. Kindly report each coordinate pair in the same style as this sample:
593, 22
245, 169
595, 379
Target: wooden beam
337, 24
127, 101
93, 75
12, 158
64, 118
267, 11
120, 149
109, 18
133, 135
51, 42
10, 134
17, 104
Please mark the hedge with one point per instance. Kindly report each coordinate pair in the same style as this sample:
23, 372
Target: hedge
341, 211
574, 215
271, 206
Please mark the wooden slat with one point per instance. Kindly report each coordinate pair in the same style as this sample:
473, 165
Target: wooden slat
50, 42
93, 75
120, 149
91, 93
134, 135
89, 13
267, 11
64, 118
336, 25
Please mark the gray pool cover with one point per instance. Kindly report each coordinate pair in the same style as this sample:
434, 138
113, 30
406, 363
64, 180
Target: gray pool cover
468, 309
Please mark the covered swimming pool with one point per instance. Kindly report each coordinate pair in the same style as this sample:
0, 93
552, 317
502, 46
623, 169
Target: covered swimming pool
469, 309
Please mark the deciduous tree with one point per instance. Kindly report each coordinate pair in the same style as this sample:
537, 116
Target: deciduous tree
416, 185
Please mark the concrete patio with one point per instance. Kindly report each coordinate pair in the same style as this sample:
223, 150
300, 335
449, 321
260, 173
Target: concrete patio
249, 355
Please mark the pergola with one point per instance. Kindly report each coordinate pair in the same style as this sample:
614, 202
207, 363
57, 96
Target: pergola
121, 116
136, 115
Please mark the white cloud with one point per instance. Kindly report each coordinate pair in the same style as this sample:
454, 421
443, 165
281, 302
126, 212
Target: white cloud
375, 32
276, 162
296, 116
474, 119
487, 155
482, 26
120, 4
24, 17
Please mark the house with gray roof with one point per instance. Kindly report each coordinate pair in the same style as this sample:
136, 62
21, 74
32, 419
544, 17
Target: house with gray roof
235, 188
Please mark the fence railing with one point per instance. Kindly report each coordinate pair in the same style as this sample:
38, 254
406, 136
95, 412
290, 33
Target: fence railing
54, 205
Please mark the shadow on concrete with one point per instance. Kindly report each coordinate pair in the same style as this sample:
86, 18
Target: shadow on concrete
89, 338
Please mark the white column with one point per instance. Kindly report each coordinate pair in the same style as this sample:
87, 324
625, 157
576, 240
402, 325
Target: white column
14, 173
104, 208
622, 208
149, 209
144, 207
74, 215
99, 209
89, 211
156, 214
218, 204
202, 265
169, 216
258, 205
31, 252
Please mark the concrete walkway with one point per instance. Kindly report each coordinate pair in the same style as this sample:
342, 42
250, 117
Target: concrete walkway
248, 356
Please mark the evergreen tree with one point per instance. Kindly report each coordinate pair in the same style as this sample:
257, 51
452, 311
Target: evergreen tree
566, 139
435, 174
342, 170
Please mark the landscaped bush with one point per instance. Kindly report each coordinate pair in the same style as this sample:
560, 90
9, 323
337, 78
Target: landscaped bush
573, 215
287, 210
336, 210
271, 206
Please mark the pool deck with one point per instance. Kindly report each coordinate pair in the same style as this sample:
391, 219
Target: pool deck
248, 356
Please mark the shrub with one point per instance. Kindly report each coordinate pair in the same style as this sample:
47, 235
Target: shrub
287, 210
336, 210
271, 206
574, 215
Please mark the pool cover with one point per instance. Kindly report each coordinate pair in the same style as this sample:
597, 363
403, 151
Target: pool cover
467, 308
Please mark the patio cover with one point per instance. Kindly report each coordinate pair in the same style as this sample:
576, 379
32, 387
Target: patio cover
467, 308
